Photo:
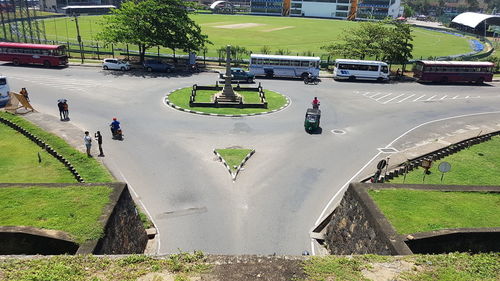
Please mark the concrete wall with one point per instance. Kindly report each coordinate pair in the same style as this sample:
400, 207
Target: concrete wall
24, 240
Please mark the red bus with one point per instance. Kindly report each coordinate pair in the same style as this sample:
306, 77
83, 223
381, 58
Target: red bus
21, 53
453, 71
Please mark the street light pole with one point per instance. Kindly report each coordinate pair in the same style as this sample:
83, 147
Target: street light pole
79, 38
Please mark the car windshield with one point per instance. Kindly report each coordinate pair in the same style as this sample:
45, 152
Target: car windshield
121, 62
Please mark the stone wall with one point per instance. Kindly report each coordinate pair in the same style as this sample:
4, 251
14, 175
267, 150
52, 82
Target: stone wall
124, 232
25, 240
357, 228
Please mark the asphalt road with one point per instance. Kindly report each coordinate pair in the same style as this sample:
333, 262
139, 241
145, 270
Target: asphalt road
167, 156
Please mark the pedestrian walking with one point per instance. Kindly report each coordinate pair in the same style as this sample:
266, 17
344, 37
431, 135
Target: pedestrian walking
24, 92
98, 138
88, 143
65, 110
60, 105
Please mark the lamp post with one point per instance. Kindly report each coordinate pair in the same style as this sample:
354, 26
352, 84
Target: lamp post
79, 38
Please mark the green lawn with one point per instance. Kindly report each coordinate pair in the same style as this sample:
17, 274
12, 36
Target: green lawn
181, 98
411, 211
478, 165
89, 168
19, 161
233, 156
74, 209
297, 35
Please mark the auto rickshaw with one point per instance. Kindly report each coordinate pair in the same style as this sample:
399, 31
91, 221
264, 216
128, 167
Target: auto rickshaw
311, 122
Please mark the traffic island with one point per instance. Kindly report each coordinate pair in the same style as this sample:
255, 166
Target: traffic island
203, 102
234, 159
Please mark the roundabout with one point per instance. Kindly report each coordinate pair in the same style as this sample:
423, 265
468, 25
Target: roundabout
179, 99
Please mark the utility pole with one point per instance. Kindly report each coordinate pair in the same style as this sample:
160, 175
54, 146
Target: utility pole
79, 38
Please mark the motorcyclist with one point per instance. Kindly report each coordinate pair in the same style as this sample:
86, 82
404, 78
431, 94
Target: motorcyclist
315, 103
115, 126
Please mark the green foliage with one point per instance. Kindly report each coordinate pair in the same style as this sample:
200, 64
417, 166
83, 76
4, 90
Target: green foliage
282, 52
88, 267
19, 160
334, 268
233, 156
266, 50
456, 267
74, 209
89, 168
379, 40
477, 165
151, 23
411, 211
181, 98
237, 53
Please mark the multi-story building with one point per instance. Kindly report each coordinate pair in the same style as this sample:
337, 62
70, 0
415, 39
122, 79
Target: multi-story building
341, 9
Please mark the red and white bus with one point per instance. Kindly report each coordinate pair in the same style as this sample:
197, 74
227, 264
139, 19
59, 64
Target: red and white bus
21, 53
453, 71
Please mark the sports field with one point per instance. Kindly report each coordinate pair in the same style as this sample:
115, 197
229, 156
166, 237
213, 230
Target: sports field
297, 35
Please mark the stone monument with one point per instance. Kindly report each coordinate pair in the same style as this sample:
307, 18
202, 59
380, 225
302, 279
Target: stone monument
228, 95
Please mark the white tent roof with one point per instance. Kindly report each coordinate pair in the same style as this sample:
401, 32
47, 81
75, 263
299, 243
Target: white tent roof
472, 19
214, 4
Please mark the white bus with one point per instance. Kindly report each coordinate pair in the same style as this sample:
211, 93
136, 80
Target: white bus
283, 66
360, 69
4, 91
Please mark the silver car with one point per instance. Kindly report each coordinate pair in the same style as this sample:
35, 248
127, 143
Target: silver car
115, 64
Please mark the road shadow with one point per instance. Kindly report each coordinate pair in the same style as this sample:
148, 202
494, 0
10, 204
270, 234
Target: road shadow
357, 81
35, 66
467, 84
145, 74
318, 131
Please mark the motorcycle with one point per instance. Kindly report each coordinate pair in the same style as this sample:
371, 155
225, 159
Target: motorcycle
311, 80
117, 134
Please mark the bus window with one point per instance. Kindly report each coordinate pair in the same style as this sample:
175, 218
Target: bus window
304, 63
363, 67
3, 81
385, 69
373, 68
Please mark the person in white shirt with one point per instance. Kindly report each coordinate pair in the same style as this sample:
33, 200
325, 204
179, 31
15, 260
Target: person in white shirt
88, 143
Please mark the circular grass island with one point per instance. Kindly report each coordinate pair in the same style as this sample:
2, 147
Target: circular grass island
179, 99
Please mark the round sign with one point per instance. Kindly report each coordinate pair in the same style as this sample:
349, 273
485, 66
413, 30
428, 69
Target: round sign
444, 167
381, 164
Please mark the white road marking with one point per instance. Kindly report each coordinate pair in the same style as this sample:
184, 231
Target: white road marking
406, 98
455, 97
321, 216
393, 98
376, 94
377, 99
443, 97
418, 98
431, 97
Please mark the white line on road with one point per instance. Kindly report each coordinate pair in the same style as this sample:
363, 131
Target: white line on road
443, 97
406, 98
467, 97
383, 96
376, 94
320, 218
455, 97
418, 98
431, 97
393, 98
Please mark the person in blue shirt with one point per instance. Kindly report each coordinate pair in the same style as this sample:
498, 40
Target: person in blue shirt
115, 125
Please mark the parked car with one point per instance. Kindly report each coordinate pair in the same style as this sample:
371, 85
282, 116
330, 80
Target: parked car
156, 65
115, 64
240, 75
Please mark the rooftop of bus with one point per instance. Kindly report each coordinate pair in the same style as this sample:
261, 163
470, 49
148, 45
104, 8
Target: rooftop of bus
458, 63
29, 46
259, 56
349, 61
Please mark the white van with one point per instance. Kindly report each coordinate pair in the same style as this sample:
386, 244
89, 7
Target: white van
360, 69
4, 91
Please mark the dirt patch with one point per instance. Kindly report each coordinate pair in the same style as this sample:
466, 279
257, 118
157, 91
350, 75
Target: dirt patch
246, 268
387, 271
277, 28
240, 25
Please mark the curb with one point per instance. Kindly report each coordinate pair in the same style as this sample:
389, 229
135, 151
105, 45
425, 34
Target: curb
172, 105
45, 146
235, 174
434, 155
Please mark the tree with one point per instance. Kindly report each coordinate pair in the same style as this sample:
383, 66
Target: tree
265, 50
397, 47
149, 23
361, 42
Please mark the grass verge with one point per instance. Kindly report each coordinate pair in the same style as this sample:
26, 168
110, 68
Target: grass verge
89, 168
477, 165
87, 267
19, 161
233, 156
181, 99
74, 209
411, 211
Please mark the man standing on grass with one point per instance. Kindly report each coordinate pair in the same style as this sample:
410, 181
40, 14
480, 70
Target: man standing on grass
88, 142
